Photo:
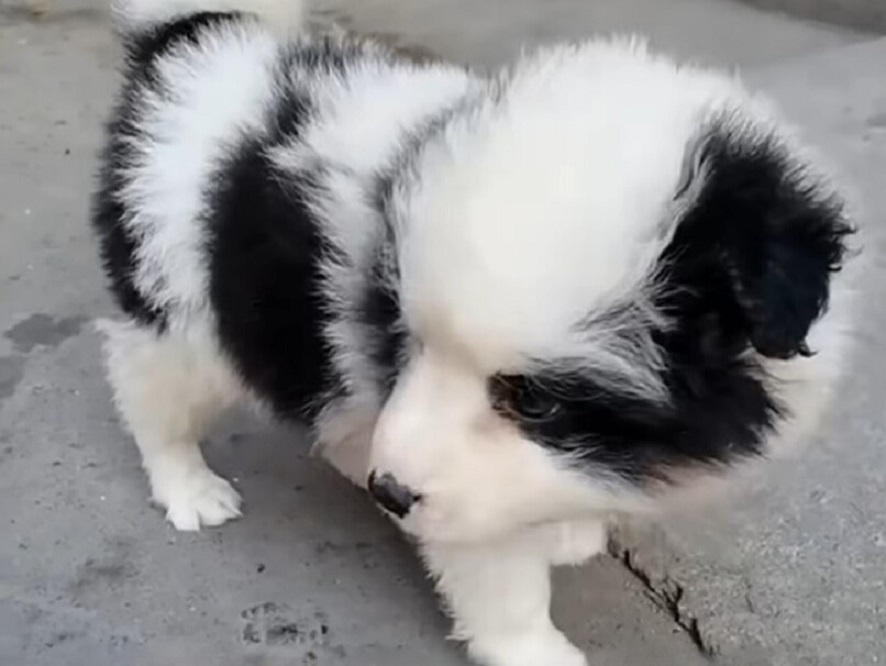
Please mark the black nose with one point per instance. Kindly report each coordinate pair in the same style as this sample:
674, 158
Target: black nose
392, 496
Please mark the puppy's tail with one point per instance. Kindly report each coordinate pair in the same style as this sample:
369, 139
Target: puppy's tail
136, 17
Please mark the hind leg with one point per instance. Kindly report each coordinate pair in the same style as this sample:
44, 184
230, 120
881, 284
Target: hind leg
169, 388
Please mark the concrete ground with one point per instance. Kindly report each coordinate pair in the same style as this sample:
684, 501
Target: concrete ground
91, 576
865, 15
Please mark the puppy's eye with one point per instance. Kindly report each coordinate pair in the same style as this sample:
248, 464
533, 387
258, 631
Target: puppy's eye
535, 407
516, 397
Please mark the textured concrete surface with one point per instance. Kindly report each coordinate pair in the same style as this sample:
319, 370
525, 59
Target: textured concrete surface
91, 576
489, 32
867, 15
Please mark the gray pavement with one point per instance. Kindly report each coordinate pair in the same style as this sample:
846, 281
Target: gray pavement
866, 15
90, 575
489, 32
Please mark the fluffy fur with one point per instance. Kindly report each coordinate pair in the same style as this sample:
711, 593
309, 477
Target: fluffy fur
511, 305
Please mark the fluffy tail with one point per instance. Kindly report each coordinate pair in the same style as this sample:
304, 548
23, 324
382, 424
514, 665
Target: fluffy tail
133, 17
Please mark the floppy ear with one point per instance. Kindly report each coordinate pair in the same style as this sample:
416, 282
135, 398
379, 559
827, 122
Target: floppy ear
760, 230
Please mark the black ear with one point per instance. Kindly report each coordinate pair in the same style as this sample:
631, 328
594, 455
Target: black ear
760, 233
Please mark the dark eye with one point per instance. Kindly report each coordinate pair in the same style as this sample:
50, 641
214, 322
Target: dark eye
535, 407
516, 397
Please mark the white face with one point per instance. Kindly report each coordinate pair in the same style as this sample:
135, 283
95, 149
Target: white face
593, 269
475, 473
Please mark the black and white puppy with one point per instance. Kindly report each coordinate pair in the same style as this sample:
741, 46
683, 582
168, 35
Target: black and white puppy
510, 306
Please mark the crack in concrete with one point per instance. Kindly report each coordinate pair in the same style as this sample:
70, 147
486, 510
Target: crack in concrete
666, 594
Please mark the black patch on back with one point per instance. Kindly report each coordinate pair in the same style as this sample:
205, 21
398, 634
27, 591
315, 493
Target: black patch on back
265, 251
267, 286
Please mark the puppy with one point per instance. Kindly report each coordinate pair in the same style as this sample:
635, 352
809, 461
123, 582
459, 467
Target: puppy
510, 306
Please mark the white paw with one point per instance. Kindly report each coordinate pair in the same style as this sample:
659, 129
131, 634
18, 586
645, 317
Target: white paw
577, 542
547, 647
198, 498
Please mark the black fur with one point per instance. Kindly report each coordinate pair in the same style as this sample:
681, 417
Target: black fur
263, 242
380, 315
116, 248
717, 411
748, 270
768, 232
265, 248
144, 48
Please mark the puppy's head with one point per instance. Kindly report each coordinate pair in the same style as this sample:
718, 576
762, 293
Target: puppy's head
609, 272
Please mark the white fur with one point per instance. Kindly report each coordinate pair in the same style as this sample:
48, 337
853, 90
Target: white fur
220, 91
553, 196
479, 478
577, 162
550, 200
499, 592
391, 100
169, 389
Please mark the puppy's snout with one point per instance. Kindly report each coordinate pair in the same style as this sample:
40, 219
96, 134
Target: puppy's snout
391, 495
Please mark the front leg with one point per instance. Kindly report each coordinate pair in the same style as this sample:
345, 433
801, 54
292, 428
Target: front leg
499, 596
572, 543
345, 440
